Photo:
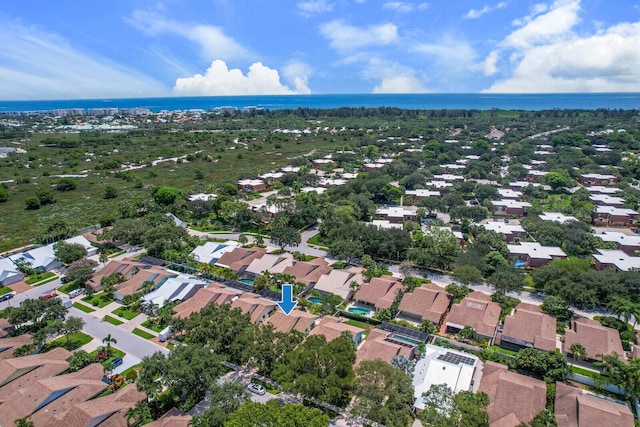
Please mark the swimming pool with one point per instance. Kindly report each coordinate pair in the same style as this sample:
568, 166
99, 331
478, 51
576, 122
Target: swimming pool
406, 339
315, 300
248, 281
358, 310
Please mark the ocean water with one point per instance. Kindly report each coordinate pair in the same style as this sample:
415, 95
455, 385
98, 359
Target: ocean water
534, 102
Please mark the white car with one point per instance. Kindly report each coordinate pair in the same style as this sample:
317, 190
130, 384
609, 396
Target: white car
256, 388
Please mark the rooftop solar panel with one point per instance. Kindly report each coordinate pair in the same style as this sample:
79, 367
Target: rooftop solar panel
456, 359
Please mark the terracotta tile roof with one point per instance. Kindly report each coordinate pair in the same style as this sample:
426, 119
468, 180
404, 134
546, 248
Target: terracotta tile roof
9, 344
171, 421
478, 311
377, 347
531, 327
575, 409
515, 398
5, 327
331, 327
110, 408
338, 282
124, 266
240, 258
215, 293
45, 398
595, 338
254, 305
308, 272
379, 292
428, 302
298, 320
271, 263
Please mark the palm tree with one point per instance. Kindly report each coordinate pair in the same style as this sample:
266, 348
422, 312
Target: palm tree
108, 340
578, 352
623, 308
23, 422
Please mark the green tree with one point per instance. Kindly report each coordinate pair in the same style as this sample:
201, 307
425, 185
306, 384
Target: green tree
81, 270
383, 393
165, 195
545, 418
625, 375
272, 414
578, 352
32, 203
141, 414
285, 236
346, 249
110, 192
242, 239
467, 274
542, 363
108, 340
444, 409
67, 253
45, 196
557, 180
79, 359
224, 399
70, 326
4, 194
457, 291
507, 279
66, 184
24, 422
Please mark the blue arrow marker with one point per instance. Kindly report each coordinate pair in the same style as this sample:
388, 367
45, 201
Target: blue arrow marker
287, 304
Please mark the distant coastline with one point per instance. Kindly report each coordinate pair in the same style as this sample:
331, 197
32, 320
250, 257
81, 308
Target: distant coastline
532, 102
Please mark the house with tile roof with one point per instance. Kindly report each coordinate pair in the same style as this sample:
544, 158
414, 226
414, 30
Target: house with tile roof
338, 282
136, 283
595, 338
427, 302
210, 252
575, 407
297, 320
271, 263
127, 267
214, 293
383, 346
254, 305
308, 272
332, 327
9, 344
533, 254
477, 311
529, 327
239, 259
379, 293
178, 288
17, 372
106, 411
515, 399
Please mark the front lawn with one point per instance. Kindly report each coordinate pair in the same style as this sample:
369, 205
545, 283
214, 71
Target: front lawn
35, 278
125, 313
144, 334
68, 287
114, 353
112, 320
82, 307
98, 300
503, 350
76, 340
156, 328
4, 290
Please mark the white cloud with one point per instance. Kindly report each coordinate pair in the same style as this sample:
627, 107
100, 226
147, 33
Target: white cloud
400, 84
477, 13
36, 64
211, 39
314, 7
220, 80
490, 63
404, 7
297, 74
562, 60
344, 37
448, 55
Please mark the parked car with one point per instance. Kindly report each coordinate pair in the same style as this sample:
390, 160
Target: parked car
6, 297
256, 388
64, 280
117, 361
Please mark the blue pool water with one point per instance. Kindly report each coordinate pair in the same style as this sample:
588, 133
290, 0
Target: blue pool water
406, 339
357, 310
249, 281
315, 300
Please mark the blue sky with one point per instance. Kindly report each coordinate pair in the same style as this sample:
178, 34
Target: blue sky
67, 49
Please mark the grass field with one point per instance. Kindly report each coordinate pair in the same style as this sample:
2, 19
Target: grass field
68, 287
41, 277
4, 290
112, 320
156, 328
97, 300
125, 313
83, 307
76, 340
144, 334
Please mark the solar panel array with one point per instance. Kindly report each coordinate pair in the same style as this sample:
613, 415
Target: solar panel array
269, 294
399, 342
236, 284
456, 359
150, 260
407, 332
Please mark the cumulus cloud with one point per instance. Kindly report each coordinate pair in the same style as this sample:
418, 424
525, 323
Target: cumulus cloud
477, 13
392, 77
400, 84
449, 57
344, 37
51, 67
404, 7
314, 7
297, 73
220, 80
213, 42
547, 55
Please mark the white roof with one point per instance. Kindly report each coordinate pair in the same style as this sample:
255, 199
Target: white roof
502, 228
290, 169
349, 175
250, 182
507, 193
602, 189
40, 257
318, 190
616, 257
330, 181
383, 223
607, 199
537, 173
615, 211
271, 263
337, 281
535, 250
82, 241
202, 196
448, 177
439, 184
7, 269
275, 175
619, 238
442, 365
597, 176
523, 184
212, 251
557, 217
373, 165
458, 234
423, 193
174, 289
397, 211
510, 203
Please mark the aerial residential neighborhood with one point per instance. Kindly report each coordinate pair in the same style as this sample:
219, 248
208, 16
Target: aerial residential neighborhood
492, 270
